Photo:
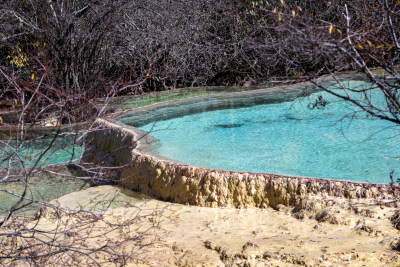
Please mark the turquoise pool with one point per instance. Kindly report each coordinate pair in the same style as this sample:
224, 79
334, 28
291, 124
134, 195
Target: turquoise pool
337, 141
43, 186
64, 150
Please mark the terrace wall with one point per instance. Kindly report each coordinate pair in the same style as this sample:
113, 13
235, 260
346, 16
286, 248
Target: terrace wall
185, 184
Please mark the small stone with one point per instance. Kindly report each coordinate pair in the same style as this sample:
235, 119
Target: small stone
395, 219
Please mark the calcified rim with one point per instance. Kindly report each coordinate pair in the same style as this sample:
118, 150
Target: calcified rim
144, 140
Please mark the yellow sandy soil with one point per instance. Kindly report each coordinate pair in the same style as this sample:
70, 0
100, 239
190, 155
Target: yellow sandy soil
352, 234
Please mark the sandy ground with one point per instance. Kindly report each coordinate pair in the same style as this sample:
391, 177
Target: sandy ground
345, 233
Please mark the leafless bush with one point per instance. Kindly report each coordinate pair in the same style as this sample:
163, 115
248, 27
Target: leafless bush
348, 40
57, 58
67, 237
46, 135
193, 42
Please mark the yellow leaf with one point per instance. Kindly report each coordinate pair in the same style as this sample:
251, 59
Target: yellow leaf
293, 13
370, 44
299, 8
279, 17
15, 100
331, 29
380, 46
360, 46
1, 120
339, 31
33, 76
390, 47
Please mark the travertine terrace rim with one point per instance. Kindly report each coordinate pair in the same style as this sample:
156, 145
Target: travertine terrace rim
188, 184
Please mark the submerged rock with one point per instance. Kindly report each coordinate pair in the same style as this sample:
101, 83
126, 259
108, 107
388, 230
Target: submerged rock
232, 125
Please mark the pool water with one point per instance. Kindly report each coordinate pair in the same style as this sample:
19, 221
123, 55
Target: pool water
42, 187
64, 150
335, 141
18, 156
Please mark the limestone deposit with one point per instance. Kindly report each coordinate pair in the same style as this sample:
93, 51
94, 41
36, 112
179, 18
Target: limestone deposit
185, 184
361, 234
282, 220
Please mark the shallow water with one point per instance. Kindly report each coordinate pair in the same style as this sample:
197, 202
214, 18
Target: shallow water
42, 187
162, 96
35, 152
68, 191
336, 141
41, 151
